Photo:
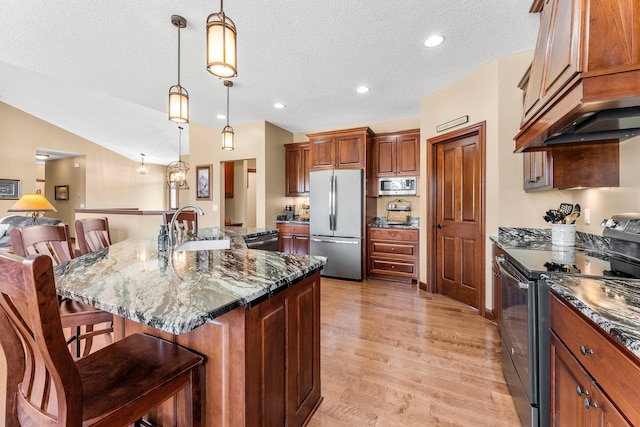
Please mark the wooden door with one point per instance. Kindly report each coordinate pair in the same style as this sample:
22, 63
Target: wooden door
459, 217
350, 152
293, 161
385, 155
408, 157
322, 153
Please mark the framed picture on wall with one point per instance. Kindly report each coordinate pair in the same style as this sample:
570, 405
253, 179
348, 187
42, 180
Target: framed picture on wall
9, 189
203, 176
61, 192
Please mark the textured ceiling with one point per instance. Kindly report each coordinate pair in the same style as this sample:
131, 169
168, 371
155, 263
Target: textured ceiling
102, 69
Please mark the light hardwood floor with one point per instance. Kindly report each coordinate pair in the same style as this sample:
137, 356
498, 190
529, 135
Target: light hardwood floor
393, 355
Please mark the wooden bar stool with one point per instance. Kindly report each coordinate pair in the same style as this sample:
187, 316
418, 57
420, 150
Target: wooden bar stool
53, 241
115, 386
92, 234
188, 219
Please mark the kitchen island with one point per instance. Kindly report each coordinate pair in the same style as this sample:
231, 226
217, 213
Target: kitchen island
254, 315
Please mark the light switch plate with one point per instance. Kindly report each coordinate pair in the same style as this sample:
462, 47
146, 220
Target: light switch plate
214, 208
587, 216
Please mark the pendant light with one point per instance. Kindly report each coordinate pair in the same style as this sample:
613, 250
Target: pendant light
142, 169
221, 45
227, 132
178, 96
177, 171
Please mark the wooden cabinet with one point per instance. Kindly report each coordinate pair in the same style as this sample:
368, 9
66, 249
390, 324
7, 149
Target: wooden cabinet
393, 253
283, 357
344, 149
583, 62
228, 180
591, 165
397, 154
293, 238
298, 165
537, 171
593, 377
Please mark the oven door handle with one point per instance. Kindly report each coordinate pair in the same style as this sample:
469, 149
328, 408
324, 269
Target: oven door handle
509, 270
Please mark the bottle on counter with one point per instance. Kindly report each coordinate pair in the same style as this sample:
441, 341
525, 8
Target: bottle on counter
163, 238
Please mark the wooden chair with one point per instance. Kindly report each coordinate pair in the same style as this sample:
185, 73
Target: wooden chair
92, 234
53, 241
188, 219
115, 386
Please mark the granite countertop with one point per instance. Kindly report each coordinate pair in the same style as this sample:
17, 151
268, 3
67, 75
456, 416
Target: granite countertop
282, 219
381, 222
613, 304
177, 291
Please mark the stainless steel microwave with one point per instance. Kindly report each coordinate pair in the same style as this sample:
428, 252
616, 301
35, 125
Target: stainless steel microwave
397, 186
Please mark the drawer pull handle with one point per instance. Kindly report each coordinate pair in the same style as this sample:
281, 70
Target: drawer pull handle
580, 391
584, 351
588, 404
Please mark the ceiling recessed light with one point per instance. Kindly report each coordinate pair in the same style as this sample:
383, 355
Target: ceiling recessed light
41, 156
221, 117
363, 89
279, 105
433, 41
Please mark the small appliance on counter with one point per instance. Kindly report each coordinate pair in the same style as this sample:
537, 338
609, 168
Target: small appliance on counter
398, 212
289, 212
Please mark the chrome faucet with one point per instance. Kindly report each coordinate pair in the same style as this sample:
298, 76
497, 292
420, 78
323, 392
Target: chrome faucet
172, 230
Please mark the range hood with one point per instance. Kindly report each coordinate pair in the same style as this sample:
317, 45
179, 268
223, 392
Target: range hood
615, 124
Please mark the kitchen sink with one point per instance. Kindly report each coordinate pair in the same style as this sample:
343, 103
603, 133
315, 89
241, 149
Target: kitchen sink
203, 245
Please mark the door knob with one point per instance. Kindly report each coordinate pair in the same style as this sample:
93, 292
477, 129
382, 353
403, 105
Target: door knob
440, 226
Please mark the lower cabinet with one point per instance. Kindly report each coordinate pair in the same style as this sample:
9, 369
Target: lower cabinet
283, 357
497, 297
593, 380
293, 238
393, 253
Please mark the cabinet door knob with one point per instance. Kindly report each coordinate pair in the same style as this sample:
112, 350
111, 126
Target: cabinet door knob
588, 404
584, 351
580, 391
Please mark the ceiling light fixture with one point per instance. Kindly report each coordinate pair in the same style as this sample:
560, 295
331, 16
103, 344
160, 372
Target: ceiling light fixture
33, 203
178, 96
221, 117
177, 171
227, 132
221, 45
41, 156
434, 40
142, 169
279, 105
363, 89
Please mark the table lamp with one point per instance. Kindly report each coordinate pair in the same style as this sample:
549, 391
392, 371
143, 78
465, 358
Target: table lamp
32, 203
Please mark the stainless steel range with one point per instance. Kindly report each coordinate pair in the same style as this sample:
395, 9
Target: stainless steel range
525, 313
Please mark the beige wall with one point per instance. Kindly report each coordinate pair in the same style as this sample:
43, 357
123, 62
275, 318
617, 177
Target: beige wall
489, 94
111, 179
261, 141
69, 171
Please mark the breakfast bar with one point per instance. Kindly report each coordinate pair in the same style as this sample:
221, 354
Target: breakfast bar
254, 315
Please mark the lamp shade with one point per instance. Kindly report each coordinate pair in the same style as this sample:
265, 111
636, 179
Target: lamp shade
227, 138
178, 104
221, 45
32, 203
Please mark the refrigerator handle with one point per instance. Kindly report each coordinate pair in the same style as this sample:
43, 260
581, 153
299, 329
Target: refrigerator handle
331, 202
334, 190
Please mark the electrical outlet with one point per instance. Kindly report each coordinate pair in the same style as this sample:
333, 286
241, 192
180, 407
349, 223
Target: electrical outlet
587, 216
214, 207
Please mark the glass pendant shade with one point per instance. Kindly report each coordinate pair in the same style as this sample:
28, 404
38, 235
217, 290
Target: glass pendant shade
142, 169
178, 95
178, 104
177, 171
177, 175
221, 45
227, 138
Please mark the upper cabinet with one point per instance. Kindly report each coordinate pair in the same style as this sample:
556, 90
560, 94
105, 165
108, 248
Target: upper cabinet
344, 149
298, 164
397, 153
586, 60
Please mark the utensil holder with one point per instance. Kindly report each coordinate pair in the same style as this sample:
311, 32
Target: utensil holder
563, 234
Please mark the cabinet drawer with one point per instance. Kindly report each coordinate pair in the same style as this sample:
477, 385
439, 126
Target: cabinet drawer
400, 268
614, 368
409, 250
293, 228
393, 234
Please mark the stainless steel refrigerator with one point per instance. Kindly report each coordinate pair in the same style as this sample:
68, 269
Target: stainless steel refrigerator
336, 200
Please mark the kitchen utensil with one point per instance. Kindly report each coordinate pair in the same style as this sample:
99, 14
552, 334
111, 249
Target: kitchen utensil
547, 218
572, 217
577, 208
566, 208
556, 216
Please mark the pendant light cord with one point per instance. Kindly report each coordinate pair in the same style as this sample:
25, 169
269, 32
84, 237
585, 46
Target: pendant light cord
180, 144
179, 25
